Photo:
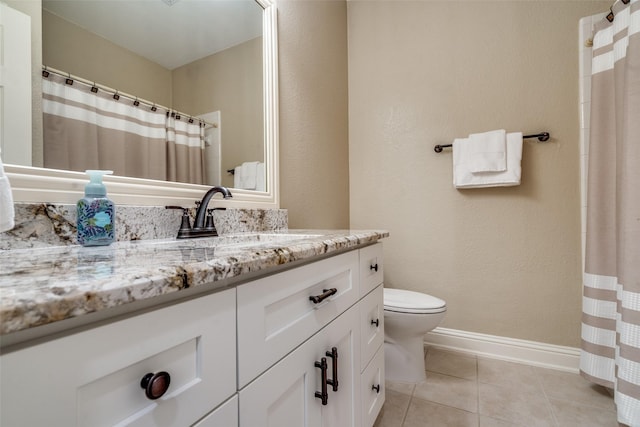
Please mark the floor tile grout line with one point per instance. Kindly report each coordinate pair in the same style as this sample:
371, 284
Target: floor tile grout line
546, 396
406, 411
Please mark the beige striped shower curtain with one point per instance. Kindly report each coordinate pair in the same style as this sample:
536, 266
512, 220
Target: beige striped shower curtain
611, 293
86, 130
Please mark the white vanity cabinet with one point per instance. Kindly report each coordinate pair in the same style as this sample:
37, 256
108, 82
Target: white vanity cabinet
93, 378
276, 319
267, 352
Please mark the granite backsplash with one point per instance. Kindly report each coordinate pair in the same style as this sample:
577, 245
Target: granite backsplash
43, 225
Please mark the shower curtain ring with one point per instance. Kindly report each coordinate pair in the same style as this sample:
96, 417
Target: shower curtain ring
136, 102
116, 96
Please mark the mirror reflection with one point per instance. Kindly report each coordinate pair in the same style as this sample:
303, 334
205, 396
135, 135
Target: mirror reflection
162, 89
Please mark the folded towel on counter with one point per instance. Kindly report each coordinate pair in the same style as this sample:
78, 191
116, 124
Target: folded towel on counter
463, 177
6, 202
487, 152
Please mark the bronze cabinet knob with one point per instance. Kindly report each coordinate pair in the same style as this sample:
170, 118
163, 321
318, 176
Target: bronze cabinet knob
155, 385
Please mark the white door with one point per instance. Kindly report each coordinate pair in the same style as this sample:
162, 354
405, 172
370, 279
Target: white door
285, 395
213, 148
343, 406
15, 86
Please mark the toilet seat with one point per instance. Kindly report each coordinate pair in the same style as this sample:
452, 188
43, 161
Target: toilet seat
404, 301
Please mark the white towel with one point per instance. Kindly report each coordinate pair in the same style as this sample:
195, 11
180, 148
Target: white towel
464, 178
488, 151
238, 176
6, 202
260, 178
249, 174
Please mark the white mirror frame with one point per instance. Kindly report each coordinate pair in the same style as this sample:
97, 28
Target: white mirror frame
40, 185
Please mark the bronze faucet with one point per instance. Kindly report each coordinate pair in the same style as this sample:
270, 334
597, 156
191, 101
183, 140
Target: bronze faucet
200, 229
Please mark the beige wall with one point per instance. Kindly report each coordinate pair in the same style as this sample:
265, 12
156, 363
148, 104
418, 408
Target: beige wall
314, 165
72, 49
230, 82
507, 261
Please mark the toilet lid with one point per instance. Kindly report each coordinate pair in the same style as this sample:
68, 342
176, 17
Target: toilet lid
404, 301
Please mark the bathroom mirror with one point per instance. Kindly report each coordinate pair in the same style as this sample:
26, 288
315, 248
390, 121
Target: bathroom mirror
34, 184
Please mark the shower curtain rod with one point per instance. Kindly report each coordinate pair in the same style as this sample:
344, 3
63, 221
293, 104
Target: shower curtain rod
70, 79
542, 137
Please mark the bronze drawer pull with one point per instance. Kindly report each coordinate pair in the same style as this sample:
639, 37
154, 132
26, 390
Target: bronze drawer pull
326, 293
324, 394
333, 354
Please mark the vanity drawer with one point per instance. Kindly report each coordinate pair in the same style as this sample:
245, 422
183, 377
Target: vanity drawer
92, 378
371, 274
275, 313
373, 389
371, 325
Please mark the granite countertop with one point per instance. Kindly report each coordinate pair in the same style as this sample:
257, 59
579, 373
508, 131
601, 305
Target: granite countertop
40, 286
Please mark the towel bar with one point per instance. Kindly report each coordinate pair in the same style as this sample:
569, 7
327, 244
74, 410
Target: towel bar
542, 137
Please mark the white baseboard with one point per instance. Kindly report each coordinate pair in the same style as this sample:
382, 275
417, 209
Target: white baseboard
509, 349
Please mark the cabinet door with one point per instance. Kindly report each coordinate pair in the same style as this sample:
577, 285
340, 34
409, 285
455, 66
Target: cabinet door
343, 407
373, 388
92, 378
224, 416
285, 395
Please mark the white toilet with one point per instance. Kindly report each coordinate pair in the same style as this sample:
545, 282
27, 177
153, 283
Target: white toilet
408, 316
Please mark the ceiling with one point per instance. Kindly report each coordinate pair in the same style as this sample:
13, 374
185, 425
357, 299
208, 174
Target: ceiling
168, 34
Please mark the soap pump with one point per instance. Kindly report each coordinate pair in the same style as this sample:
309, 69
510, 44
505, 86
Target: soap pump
96, 213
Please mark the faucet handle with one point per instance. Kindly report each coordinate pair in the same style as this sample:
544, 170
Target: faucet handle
209, 221
185, 224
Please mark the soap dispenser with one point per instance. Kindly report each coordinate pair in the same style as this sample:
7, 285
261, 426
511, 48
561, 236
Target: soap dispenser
96, 213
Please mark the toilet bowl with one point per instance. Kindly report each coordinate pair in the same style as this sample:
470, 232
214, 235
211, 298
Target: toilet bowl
408, 316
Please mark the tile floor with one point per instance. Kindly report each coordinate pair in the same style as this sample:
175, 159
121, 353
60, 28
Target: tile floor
464, 390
